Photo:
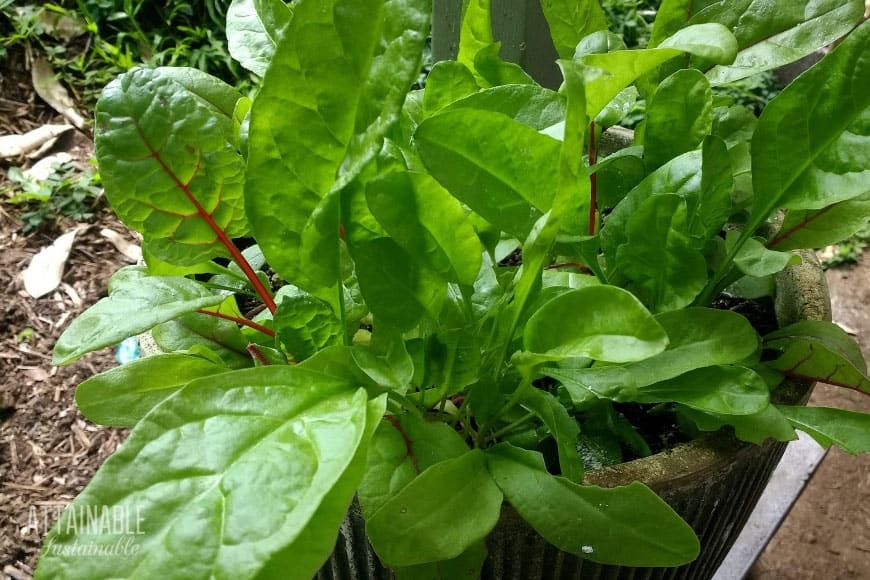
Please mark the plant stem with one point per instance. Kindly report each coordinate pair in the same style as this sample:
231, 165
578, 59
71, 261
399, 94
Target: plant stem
593, 181
409, 449
234, 251
257, 354
242, 321
508, 428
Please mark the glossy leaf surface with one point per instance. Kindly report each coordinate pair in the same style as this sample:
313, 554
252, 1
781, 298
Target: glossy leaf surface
847, 429
254, 28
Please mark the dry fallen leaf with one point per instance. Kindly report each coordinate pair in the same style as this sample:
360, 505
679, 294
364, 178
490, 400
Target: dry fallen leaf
47, 86
16, 145
45, 271
131, 251
43, 168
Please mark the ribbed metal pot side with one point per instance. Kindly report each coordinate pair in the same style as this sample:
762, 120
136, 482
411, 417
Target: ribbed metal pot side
713, 482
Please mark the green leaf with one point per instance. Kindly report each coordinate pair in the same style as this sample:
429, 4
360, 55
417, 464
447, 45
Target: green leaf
169, 161
726, 390
475, 33
222, 337
502, 169
123, 395
679, 116
269, 457
253, 30
427, 222
754, 259
823, 121
386, 361
671, 16
494, 71
698, 337
592, 522
772, 33
305, 324
604, 323
618, 108
756, 428
467, 565
659, 260
822, 351
531, 105
570, 21
822, 227
448, 81
332, 92
399, 290
136, 303
391, 465
847, 429
448, 508
452, 361
564, 429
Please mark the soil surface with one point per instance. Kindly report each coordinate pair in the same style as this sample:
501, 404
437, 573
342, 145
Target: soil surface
826, 536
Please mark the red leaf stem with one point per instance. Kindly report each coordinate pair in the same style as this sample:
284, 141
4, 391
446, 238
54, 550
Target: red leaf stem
257, 354
408, 448
804, 223
242, 321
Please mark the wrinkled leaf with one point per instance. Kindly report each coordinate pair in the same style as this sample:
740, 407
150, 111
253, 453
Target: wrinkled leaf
305, 324
253, 30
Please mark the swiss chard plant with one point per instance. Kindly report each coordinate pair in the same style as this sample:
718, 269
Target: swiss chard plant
438, 302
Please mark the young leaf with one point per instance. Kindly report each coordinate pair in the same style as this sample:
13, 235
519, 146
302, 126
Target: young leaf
502, 169
592, 522
253, 30
475, 32
847, 429
754, 259
564, 429
604, 323
427, 222
815, 350
448, 81
821, 114
450, 507
386, 361
659, 260
465, 566
396, 457
822, 227
725, 390
570, 21
123, 395
671, 16
279, 440
222, 337
333, 90
165, 141
136, 303
788, 31
305, 324
679, 116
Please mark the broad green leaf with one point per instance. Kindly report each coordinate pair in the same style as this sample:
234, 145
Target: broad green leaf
618, 108
502, 169
756, 428
531, 105
671, 16
467, 565
847, 429
495, 71
570, 20
452, 361
333, 90
564, 429
386, 360
475, 32
398, 289
623, 67
772, 33
448, 81
726, 390
427, 222
679, 116
123, 395
258, 454
698, 337
136, 303
592, 522
253, 30
815, 350
604, 323
823, 121
822, 227
734, 124
448, 508
222, 337
617, 175
754, 259
165, 142
305, 324
663, 268
391, 465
